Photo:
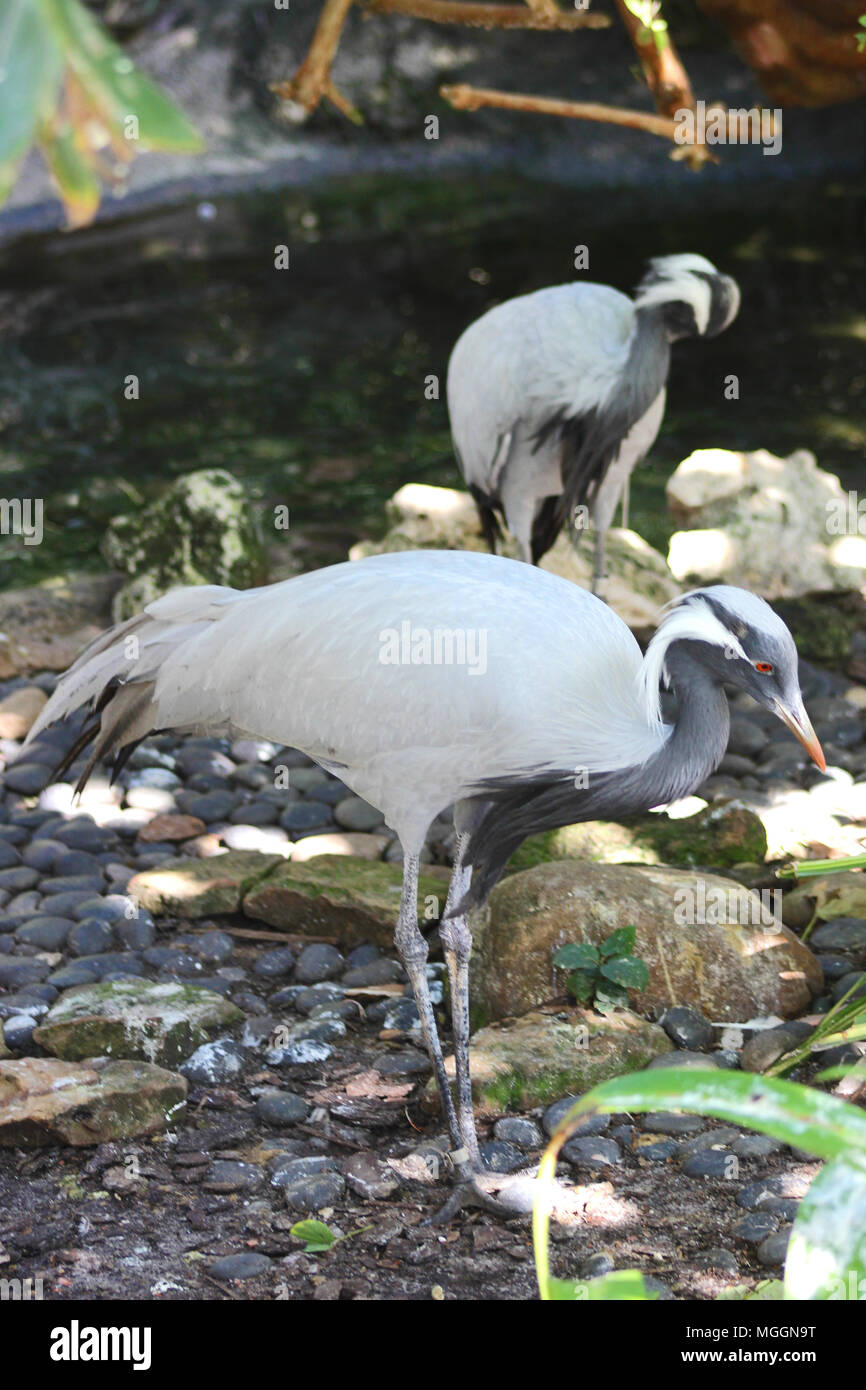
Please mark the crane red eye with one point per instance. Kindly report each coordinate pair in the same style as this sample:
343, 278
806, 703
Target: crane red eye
763, 666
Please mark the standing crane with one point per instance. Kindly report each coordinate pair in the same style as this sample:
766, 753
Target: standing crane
426, 678
555, 397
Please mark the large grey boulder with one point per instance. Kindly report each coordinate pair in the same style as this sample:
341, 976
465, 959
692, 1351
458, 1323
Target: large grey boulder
781, 527
707, 941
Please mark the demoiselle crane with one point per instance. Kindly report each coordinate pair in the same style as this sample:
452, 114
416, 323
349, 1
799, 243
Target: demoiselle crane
426, 678
555, 397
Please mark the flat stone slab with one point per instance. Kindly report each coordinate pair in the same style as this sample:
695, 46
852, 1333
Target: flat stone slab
356, 843
44, 1100
346, 899
160, 1023
191, 887
534, 1060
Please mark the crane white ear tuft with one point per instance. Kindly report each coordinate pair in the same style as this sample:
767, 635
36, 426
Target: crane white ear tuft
689, 619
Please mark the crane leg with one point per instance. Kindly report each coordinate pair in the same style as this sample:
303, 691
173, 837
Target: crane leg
598, 561
624, 500
412, 949
457, 946
503, 1194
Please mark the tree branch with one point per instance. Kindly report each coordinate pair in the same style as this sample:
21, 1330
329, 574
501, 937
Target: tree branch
534, 15
313, 79
466, 98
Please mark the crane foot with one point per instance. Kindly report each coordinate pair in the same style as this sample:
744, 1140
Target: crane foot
504, 1194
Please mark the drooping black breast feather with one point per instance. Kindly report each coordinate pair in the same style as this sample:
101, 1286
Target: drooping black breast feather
591, 441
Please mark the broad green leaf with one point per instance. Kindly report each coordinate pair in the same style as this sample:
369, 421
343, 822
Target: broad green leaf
620, 942
841, 1072
576, 956
317, 1235
134, 108
609, 997
627, 971
30, 70
620, 1285
808, 1119
73, 174
827, 1254
581, 985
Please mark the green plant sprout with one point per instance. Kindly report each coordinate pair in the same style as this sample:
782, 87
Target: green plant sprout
319, 1238
655, 26
603, 974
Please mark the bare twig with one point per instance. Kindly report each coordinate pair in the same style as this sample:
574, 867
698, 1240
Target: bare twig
312, 81
533, 15
466, 98
665, 75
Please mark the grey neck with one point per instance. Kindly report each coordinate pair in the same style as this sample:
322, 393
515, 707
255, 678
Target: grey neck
507, 813
700, 735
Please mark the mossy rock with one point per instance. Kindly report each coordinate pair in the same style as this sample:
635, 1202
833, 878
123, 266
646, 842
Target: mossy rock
162, 1023
340, 897
536, 1059
45, 1100
191, 887
823, 899
821, 625
202, 530
721, 836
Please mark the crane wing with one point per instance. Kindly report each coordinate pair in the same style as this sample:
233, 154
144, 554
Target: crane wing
539, 359
420, 673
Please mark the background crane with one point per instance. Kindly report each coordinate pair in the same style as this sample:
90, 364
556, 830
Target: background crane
556, 396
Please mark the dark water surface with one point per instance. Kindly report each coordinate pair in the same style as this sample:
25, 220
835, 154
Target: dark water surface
308, 383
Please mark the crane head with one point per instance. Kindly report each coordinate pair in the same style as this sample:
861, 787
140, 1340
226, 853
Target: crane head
744, 643
693, 298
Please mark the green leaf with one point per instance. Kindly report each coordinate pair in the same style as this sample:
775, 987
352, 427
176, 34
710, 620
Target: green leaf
113, 84
767, 1291
317, 1235
621, 1285
576, 957
30, 71
609, 997
620, 942
581, 985
822, 1124
73, 174
627, 971
827, 1254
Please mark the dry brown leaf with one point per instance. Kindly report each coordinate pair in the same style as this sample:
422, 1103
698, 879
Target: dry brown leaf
370, 1086
390, 989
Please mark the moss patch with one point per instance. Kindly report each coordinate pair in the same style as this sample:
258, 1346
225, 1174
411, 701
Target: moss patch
542, 1056
201, 887
160, 1023
341, 897
720, 836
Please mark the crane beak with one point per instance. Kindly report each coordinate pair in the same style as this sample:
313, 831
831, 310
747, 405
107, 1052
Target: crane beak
798, 721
